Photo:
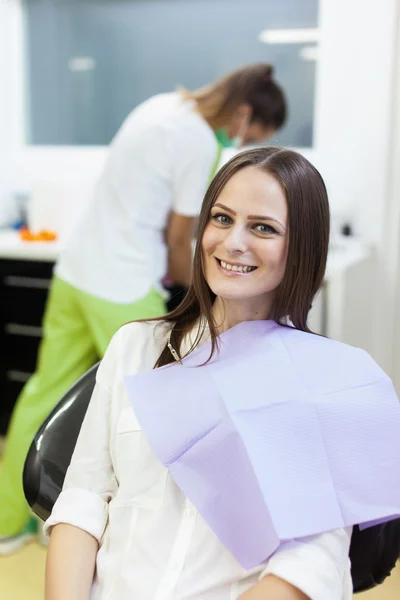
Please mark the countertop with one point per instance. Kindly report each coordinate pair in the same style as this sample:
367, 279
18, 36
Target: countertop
12, 247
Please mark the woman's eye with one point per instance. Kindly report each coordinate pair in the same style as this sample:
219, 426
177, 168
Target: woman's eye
222, 219
264, 228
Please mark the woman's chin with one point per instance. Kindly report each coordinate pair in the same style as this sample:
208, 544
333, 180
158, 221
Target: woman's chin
226, 294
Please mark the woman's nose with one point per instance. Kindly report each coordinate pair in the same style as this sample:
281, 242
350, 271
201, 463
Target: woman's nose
236, 240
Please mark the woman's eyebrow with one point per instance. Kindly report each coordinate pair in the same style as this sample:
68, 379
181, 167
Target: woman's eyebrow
264, 218
224, 208
250, 217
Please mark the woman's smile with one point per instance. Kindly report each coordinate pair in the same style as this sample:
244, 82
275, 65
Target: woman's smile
232, 269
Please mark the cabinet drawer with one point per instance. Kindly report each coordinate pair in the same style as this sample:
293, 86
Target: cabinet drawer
10, 391
23, 304
26, 268
20, 351
24, 287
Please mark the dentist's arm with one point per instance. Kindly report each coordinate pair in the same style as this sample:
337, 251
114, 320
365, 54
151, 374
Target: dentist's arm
179, 237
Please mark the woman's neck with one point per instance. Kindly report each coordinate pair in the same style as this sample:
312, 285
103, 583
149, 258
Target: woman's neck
227, 314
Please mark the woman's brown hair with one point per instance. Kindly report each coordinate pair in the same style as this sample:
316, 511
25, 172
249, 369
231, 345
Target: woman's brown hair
308, 219
253, 85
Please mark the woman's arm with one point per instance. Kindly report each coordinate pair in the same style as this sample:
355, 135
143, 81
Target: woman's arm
312, 568
80, 514
70, 563
273, 588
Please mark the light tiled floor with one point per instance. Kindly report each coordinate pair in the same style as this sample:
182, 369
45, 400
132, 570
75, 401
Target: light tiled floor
22, 578
22, 574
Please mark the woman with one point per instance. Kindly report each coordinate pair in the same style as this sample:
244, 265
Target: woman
137, 230
163, 495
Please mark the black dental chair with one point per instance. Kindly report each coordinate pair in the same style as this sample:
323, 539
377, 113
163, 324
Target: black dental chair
373, 552
51, 450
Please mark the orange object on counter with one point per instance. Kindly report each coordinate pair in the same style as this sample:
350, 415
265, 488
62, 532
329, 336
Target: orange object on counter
44, 235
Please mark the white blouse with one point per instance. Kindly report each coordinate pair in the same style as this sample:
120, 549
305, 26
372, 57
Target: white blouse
153, 544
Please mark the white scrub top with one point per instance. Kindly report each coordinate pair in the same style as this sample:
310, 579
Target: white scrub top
153, 543
160, 161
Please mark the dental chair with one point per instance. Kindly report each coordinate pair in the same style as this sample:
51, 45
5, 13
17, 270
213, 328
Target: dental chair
50, 453
373, 552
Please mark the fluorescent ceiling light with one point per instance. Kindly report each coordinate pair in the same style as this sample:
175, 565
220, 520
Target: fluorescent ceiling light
289, 36
309, 52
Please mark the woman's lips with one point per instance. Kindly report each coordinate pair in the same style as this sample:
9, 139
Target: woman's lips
234, 270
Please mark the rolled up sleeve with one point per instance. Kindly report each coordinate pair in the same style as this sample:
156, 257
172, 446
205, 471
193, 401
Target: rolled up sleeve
319, 565
82, 509
90, 481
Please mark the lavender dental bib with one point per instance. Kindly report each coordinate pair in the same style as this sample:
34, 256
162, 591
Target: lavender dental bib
282, 435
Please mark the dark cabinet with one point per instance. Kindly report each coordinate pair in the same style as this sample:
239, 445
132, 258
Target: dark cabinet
24, 286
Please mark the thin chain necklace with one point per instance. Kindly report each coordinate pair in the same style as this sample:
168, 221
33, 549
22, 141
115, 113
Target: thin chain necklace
202, 323
171, 348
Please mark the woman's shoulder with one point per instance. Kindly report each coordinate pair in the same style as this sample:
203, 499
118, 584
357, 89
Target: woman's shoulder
143, 334
135, 347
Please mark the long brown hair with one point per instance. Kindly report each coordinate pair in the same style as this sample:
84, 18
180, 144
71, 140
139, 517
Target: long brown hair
308, 211
253, 85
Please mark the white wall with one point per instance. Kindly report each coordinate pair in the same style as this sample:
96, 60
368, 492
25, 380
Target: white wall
61, 181
353, 106
11, 103
354, 124
389, 280
68, 173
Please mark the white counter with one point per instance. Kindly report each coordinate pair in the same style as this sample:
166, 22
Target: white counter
12, 247
345, 253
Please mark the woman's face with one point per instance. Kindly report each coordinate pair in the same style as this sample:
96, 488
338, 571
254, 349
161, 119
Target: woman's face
246, 239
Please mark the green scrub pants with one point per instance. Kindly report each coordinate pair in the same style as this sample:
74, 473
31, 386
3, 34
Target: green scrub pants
77, 329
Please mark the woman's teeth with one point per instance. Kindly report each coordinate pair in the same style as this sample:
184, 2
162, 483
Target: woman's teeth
238, 268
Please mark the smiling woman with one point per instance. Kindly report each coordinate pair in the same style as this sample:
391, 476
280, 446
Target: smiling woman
227, 475
267, 208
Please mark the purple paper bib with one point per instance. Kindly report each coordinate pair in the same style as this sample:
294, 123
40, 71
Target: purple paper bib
282, 435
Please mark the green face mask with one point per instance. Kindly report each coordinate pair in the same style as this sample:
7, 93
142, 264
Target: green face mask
224, 139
